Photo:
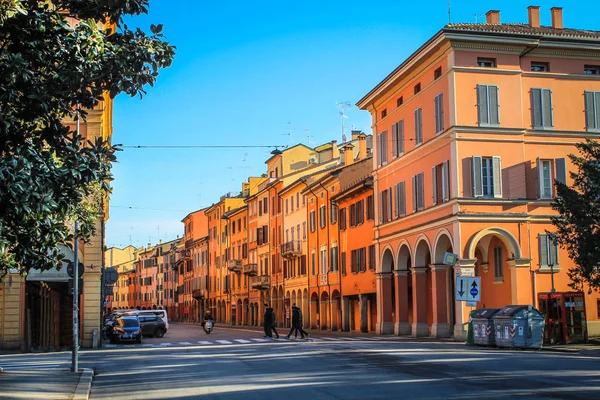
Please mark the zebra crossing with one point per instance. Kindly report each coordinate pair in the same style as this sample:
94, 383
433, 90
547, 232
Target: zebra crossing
247, 341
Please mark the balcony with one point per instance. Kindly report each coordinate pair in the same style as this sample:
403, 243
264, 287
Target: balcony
198, 294
261, 282
250, 269
291, 249
234, 266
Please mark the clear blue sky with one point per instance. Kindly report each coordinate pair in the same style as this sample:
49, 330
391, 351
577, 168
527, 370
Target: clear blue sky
245, 72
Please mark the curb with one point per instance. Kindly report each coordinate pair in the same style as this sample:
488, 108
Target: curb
82, 392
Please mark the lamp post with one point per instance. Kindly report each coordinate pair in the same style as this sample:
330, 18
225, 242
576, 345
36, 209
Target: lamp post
551, 257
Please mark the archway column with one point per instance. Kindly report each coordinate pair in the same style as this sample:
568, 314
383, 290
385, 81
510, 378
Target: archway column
439, 288
402, 327
335, 312
520, 280
324, 315
363, 300
384, 307
419, 284
313, 315
345, 314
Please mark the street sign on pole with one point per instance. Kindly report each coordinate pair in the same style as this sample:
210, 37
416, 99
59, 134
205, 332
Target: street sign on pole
468, 288
110, 276
450, 259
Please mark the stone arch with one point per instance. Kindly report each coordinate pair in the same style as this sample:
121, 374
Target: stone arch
293, 298
314, 310
305, 309
505, 236
441, 243
404, 256
422, 252
387, 259
324, 310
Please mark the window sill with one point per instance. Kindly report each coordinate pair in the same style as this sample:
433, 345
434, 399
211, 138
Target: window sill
498, 281
548, 270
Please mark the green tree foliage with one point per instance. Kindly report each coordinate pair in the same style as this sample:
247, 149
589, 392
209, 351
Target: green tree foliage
48, 175
578, 222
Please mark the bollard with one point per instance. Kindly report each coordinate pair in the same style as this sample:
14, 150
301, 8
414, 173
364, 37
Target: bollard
95, 338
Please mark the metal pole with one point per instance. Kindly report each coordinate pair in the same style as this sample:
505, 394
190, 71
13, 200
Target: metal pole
550, 258
74, 355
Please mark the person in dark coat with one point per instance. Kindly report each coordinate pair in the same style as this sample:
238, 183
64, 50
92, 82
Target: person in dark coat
297, 323
269, 322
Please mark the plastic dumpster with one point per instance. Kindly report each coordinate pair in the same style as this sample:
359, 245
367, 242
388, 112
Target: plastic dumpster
470, 337
519, 326
483, 326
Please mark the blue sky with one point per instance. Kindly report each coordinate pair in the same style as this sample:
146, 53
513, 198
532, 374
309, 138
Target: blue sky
245, 73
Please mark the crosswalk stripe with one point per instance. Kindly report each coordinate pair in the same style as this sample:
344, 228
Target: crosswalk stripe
185, 343
166, 344
260, 340
327, 338
204, 342
350, 338
242, 341
224, 341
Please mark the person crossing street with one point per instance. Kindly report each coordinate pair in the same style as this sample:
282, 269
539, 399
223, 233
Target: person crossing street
297, 323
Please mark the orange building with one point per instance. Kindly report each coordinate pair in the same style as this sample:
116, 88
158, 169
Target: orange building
237, 257
471, 131
195, 231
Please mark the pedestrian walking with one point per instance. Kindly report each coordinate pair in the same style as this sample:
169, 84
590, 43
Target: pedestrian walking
269, 322
297, 323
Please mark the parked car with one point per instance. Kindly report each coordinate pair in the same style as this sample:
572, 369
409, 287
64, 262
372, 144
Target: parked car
152, 325
161, 313
126, 329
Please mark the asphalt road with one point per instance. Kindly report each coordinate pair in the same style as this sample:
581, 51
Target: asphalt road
234, 364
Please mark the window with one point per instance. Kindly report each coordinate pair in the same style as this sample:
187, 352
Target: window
334, 259
303, 265
322, 217
385, 206
498, 263
298, 200
383, 113
304, 230
287, 203
400, 192
265, 204
313, 262
592, 111
360, 212
547, 174
323, 267
370, 207
382, 150
398, 138
342, 218
439, 113
487, 105
486, 62
343, 262
358, 260
418, 126
487, 178
440, 183
399, 101
437, 73
352, 215
292, 204
417, 88
591, 70
418, 192
312, 221
541, 108
548, 251
372, 257
537, 66
332, 214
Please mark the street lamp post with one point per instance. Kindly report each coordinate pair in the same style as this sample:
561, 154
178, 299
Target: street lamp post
551, 258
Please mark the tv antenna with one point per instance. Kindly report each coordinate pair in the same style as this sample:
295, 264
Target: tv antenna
343, 105
245, 164
308, 136
475, 17
289, 134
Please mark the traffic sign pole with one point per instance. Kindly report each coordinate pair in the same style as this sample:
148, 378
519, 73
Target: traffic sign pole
74, 354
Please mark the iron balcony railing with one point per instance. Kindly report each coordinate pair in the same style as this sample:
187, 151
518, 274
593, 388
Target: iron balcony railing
234, 266
250, 269
291, 249
261, 282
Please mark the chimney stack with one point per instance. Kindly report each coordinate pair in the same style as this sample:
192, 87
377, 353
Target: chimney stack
534, 16
492, 17
348, 154
335, 152
362, 146
355, 134
557, 19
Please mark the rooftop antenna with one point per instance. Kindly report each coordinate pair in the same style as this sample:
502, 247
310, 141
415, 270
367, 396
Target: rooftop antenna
308, 136
475, 16
289, 134
342, 106
245, 165
448, 12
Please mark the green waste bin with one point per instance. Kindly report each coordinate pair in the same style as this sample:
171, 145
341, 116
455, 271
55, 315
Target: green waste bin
520, 326
470, 337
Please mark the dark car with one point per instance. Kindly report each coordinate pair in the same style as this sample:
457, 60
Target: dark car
152, 325
126, 329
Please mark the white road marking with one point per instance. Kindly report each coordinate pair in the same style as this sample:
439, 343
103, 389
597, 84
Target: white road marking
204, 342
224, 341
327, 338
242, 341
165, 344
261, 340
185, 343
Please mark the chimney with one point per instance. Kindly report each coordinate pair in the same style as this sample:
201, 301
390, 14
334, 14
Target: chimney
534, 16
492, 17
335, 152
362, 146
355, 134
557, 20
348, 154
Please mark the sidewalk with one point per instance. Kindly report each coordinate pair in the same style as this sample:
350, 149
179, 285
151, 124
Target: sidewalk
45, 384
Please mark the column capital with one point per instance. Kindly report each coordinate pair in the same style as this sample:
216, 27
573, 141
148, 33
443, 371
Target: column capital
466, 263
384, 275
418, 270
519, 262
438, 267
400, 273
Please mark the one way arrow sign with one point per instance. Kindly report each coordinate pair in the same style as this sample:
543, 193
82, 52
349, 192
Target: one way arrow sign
468, 288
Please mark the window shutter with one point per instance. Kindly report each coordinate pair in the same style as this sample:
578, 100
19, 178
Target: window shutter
445, 182
397, 205
414, 193
543, 249
497, 171
379, 149
384, 148
560, 167
381, 207
439, 113
536, 108
389, 210
547, 110
494, 106
590, 111
418, 132
477, 176
395, 140
434, 193
482, 104
421, 192
402, 199
401, 137
540, 178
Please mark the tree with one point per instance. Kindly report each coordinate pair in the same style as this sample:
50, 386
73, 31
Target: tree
49, 175
578, 222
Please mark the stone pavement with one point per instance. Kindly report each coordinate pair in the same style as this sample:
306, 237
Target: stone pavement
44, 383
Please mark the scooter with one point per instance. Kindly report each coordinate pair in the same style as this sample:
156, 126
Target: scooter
208, 326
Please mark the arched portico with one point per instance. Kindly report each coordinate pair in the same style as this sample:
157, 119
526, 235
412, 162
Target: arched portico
420, 287
403, 288
442, 286
385, 294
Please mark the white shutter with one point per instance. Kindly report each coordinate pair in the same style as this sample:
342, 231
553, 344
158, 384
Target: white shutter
543, 249
477, 180
434, 193
497, 171
445, 182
